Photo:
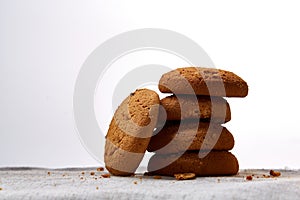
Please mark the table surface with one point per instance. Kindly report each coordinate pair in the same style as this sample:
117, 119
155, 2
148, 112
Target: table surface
87, 183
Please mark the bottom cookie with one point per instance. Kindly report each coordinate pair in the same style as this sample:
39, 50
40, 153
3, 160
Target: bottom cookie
215, 163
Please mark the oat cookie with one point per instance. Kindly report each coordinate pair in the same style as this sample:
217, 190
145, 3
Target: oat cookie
179, 81
207, 108
130, 131
172, 140
216, 163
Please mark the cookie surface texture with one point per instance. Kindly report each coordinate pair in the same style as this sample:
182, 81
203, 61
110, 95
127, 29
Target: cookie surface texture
183, 107
130, 131
204, 81
172, 140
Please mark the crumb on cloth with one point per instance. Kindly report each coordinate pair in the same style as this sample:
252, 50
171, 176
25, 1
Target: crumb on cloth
100, 169
106, 175
266, 176
275, 173
185, 176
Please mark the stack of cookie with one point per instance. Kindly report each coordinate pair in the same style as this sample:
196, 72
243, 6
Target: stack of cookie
193, 139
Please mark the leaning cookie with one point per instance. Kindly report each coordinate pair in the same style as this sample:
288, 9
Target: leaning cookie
130, 131
183, 107
203, 81
216, 163
177, 137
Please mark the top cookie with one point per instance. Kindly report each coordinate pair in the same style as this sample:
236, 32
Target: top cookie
130, 131
203, 81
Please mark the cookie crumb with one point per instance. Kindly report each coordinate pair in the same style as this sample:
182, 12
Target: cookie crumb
266, 176
249, 178
48, 173
106, 175
82, 173
1, 188
135, 182
275, 173
185, 176
97, 188
96, 178
92, 173
100, 169
157, 177
81, 178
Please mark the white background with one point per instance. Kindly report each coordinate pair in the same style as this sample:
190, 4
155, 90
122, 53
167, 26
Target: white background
44, 43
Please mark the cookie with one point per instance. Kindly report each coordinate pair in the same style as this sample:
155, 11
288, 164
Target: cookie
130, 131
191, 136
203, 81
186, 107
216, 163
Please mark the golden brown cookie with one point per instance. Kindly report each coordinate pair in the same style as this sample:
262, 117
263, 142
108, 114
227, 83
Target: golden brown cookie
220, 82
130, 131
216, 163
182, 107
191, 136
